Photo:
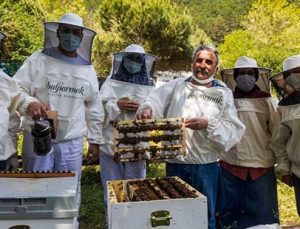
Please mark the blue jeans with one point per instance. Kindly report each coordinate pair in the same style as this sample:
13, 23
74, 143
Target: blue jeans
204, 178
296, 181
246, 203
3, 165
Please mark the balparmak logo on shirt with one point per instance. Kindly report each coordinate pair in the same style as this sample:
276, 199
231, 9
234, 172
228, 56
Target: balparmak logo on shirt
60, 87
196, 95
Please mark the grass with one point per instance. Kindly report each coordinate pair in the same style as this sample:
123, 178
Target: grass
287, 205
91, 215
92, 210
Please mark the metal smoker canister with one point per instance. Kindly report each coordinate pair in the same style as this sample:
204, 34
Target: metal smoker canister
41, 132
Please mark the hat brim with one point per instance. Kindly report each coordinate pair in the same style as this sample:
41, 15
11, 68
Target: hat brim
54, 25
119, 55
281, 74
230, 71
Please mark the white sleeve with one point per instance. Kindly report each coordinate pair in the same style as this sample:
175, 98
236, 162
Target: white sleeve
94, 115
112, 109
226, 130
109, 101
276, 129
278, 146
15, 100
25, 77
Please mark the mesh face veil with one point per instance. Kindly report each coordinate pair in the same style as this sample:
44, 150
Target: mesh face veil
83, 46
133, 66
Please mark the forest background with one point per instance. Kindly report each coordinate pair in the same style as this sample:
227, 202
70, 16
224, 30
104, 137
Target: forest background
267, 30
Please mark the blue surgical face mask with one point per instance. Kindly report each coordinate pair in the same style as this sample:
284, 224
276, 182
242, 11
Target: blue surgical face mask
132, 66
69, 41
246, 82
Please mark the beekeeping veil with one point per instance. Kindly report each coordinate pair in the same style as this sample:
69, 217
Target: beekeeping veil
287, 82
133, 66
132, 80
52, 41
229, 75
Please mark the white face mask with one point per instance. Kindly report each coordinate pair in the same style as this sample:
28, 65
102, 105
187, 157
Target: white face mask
245, 82
294, 80
206, 81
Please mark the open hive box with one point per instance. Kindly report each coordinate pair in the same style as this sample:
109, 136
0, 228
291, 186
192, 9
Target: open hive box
151, 139
161, 202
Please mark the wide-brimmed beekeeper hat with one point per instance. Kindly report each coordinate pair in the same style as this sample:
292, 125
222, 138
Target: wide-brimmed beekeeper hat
245, 62
51, 39
290, 65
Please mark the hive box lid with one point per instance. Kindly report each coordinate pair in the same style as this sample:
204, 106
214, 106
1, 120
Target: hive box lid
38, 187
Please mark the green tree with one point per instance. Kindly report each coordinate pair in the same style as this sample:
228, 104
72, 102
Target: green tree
21, 21
218, 17
270, 34
54, 9
162, 27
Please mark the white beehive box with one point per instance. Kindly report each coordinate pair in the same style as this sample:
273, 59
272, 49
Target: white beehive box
35, 203
187, 213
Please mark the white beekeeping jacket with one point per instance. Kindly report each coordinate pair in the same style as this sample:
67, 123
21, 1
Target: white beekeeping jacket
69, 89
287, 137
262, 121
122, 84
180, 98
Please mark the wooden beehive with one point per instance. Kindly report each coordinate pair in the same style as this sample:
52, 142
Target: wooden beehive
151, 139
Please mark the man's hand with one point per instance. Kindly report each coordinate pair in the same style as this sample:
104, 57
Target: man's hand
93, 153
146, 113
196, 123
127, 104
288, 180
37, 110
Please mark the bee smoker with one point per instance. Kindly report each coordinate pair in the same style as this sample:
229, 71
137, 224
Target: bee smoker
41, 131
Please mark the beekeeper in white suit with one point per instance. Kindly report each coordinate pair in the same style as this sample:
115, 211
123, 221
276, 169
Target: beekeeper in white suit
10, 102
248, 170
287, 83
62, 78
210, 119
122, 93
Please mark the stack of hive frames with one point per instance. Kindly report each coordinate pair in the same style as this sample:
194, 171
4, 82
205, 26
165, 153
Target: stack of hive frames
153, 140
158, 189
